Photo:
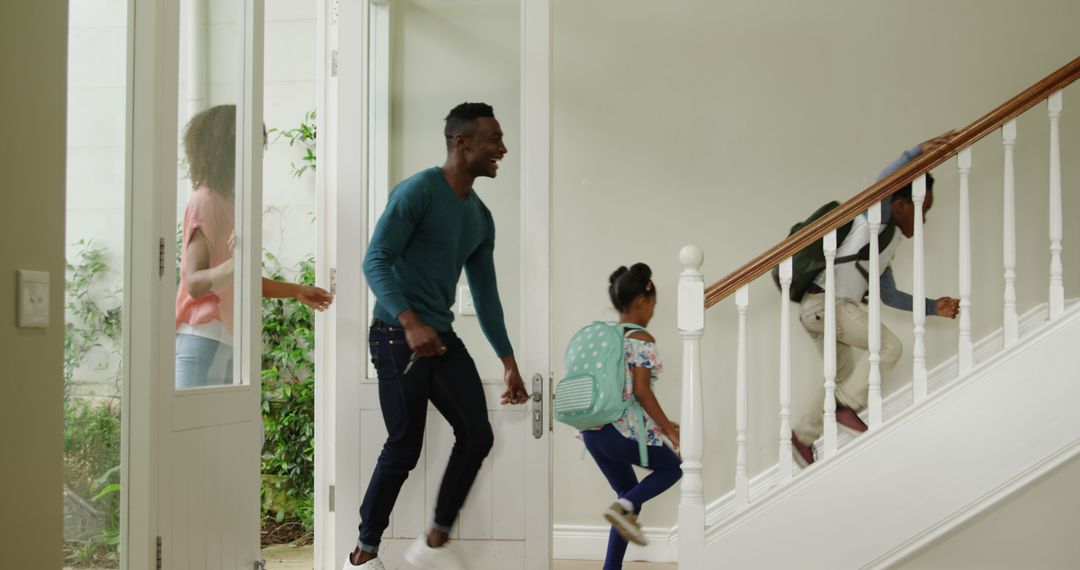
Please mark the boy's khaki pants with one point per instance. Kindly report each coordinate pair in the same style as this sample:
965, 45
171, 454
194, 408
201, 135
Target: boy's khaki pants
852, 368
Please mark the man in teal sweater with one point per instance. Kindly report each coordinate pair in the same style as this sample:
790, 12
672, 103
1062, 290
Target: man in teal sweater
433, 226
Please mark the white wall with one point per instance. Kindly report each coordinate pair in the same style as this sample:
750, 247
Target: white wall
722, 123
96, 106
33, 50
289, 92
443, 54
1035, 529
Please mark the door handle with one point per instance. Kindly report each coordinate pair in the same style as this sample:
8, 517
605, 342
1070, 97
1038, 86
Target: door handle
538, 406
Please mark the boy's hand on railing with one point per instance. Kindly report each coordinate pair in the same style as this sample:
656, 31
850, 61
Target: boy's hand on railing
932, 144
947, 307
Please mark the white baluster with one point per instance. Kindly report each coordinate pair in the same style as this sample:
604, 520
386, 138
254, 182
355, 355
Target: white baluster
918, 303
1011, 324
966, 354
742, 481
1057, 287
691, 323
830, 344
874, 332
785, 371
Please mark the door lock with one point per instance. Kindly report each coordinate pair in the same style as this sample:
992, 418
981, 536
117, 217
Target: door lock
538, 406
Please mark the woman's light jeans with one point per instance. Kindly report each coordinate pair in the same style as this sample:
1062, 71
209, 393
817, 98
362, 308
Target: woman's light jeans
202, 361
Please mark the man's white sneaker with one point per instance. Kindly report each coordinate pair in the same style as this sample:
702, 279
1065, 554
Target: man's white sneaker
421, 555
373, 564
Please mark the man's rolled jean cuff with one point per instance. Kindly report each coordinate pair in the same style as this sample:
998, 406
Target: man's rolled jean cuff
442, 528
367, 547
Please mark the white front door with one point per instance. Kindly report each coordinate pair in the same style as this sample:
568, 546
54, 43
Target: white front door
210, 424
506, 520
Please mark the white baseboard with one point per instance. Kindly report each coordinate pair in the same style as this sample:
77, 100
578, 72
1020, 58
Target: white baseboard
589, 542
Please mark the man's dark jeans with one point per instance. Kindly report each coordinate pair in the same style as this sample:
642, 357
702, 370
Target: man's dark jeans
453, 385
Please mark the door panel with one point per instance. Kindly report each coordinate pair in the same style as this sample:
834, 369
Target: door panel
211, 423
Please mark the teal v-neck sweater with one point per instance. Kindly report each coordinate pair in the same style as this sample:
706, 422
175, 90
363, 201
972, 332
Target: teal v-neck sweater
424, 238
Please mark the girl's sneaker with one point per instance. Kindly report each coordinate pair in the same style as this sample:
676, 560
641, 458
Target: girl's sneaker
625, 523
373, 564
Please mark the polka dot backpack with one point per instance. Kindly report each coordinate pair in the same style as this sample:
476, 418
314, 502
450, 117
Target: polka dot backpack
591, 393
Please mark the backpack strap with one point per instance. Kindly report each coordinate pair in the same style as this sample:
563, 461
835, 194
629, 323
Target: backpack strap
639, 418
885, 237
636, 410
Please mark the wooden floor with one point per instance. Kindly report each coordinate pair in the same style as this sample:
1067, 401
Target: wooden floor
596, 565
286, 557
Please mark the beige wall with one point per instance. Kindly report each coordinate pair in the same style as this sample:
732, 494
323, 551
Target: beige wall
33, 52
1035, 530
445, 53
721, 123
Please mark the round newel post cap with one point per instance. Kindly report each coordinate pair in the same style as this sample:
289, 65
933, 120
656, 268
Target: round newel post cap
691, 257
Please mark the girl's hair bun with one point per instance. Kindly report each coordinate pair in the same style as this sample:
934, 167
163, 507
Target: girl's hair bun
625, 285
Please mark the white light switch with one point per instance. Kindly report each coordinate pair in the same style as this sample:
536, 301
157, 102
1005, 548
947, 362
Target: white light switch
465, 302
33, 299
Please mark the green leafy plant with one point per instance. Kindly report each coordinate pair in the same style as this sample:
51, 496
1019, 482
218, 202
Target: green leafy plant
288, 407
93, 315
92, 426
303, 136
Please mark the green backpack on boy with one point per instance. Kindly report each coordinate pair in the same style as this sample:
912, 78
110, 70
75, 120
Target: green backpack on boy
809, 262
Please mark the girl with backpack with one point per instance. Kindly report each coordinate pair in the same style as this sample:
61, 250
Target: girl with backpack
614, 446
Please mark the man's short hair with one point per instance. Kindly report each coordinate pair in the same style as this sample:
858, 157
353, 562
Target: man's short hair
462, 120
905, 192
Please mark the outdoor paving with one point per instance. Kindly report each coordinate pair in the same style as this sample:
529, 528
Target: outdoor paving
288, 557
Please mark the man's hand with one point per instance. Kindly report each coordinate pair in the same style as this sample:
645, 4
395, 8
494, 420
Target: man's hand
422, 339
947, 307
515, 387
315, 297
933, 144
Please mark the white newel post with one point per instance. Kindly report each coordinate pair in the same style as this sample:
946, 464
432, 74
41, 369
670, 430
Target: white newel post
830, 344
1057, 287
874, 332
966, 354
691, 323
785, 371
742, 480
1011, 324
918, 303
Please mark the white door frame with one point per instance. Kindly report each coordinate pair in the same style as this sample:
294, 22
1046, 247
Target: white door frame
536, 273
345, 128
342, 236
151, 165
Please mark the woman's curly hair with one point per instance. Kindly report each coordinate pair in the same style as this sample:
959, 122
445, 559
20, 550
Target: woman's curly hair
210, 147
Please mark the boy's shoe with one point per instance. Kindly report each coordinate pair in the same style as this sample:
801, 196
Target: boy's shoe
421, 555
804, 454
625, 523
373, 564
849, 420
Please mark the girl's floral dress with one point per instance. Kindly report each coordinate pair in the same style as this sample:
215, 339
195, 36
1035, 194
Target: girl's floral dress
639, 354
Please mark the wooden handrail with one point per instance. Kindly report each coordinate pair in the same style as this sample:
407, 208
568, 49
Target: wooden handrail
887, 186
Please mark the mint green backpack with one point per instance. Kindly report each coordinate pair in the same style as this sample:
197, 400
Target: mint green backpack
591, 393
